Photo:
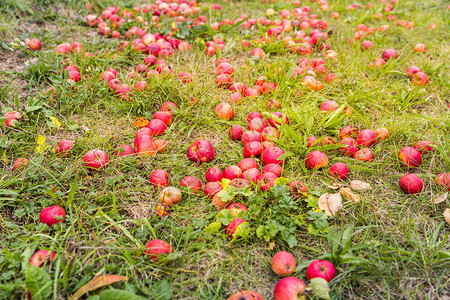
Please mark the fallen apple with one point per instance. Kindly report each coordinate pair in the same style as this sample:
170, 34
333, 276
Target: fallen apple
283, 263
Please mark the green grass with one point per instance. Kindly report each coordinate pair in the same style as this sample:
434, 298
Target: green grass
387, 246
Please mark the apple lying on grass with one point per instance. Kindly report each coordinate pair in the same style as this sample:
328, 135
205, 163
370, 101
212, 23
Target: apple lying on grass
41, 256
52, 215
283, 263
155, 249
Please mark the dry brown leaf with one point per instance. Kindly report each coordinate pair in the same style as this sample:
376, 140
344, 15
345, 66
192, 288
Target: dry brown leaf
348, 194
96, 283
323, 203
441, 198
335, 203
359, 185
335, 186
447, 215
330, 203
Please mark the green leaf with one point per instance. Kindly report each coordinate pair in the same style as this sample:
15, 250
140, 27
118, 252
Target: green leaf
224, 196
320, 287
113, 294
162, 290
37, 282
225, 217
213, 228
242, 230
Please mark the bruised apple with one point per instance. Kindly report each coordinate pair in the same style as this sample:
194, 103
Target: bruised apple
41, 256
246, 295
443, 180
236, 208
348, 131
170, 195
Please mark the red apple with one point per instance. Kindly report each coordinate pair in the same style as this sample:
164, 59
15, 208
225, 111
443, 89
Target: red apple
231, 228
349, 146
251, 174
270, 133
410, 157
247, 163
34, 44
388, 54
232, 172
270, 156
339, 170
266, 180
289, 288
20, 162
52, 215
40, 257
213, 174
420, 78
316, 160
193, 182
144, 145
224, 68
224, 111
144, 131
411, 184
159, 177
297, 189
311, 141
236, 132
224, 80
366, 138
348, 131
246, 295
168, 106
329, 105
95, 159
164, 116
363, 155
413, 70
251, 136
124, 150
283, 263
201, 151
236, 208
253, 149
254, 115
420, 48
257, 124
63, 147
157, 126
443, 180
212, 188
277, 115
273, 168
322, 269
157, 248
424, 146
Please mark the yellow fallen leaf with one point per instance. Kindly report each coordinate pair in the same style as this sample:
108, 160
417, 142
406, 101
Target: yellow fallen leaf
348, 194
359, 185
40, 140
447, 215
96, 283
441, 198
55, 121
